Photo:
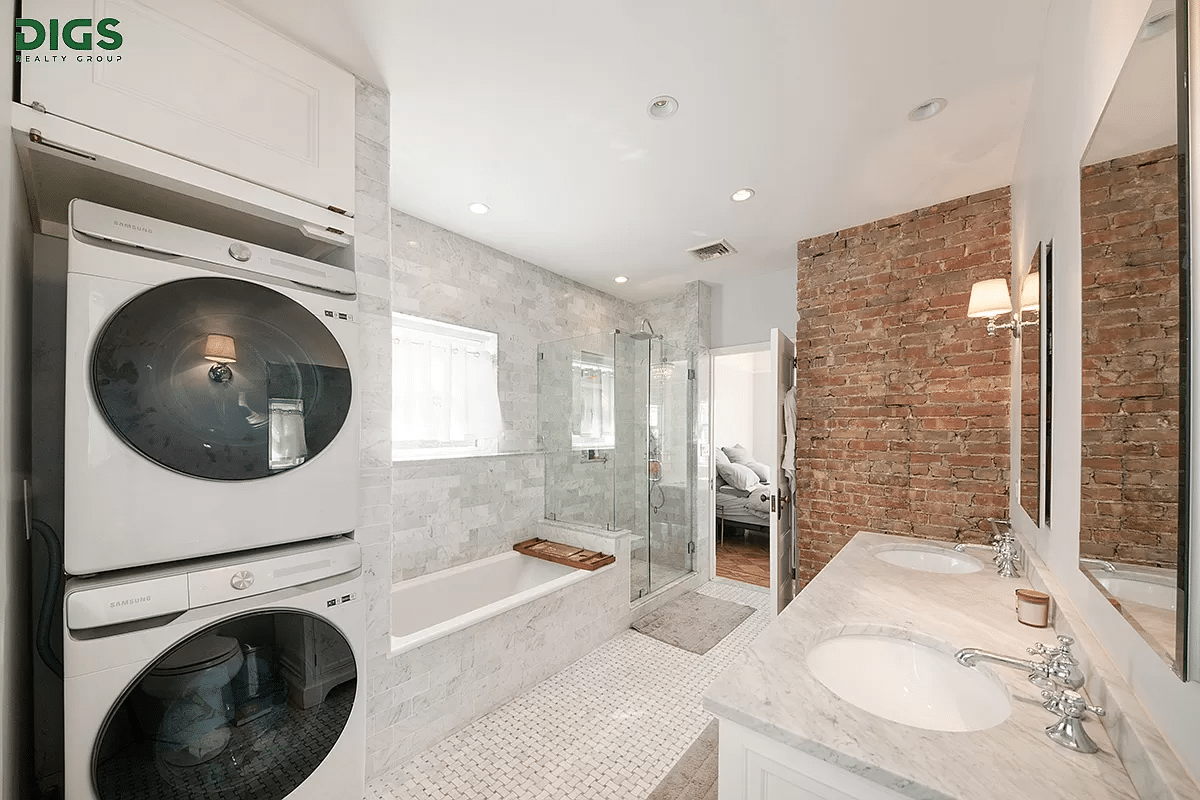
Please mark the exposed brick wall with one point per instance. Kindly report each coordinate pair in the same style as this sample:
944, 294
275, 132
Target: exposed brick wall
1130, 491
903, 402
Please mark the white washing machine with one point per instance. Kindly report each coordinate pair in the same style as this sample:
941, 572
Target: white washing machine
209, 401
219, 679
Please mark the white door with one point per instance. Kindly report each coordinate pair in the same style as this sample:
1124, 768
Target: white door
202, 81
783, 533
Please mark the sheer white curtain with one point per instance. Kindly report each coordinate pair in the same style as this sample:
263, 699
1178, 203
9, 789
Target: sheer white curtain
444, 395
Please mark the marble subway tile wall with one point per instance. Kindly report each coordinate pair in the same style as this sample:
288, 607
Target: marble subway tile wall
373, 376
431, 691
451, 512
447, 512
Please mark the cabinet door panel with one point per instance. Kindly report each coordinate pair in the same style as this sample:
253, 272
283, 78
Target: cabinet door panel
202, 81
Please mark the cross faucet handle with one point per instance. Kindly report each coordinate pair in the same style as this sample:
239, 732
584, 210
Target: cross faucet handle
1059, 655
1070, 704
1069, 731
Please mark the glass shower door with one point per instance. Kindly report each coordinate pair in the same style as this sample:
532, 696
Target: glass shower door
662, 462
670, 463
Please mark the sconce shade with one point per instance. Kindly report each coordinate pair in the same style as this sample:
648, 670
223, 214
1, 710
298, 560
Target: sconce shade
220, 349
1031, 292
989, 299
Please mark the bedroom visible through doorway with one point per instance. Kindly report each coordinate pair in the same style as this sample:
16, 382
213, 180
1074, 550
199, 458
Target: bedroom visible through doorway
743, 450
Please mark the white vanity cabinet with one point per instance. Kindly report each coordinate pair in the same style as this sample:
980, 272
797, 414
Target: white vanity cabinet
200, 80
755, 767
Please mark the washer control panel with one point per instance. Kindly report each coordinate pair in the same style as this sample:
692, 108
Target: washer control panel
103, 601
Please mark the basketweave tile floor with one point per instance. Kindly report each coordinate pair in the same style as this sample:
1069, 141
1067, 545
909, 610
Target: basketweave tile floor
608, 727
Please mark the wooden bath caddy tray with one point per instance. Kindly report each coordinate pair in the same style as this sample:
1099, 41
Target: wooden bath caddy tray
563, 554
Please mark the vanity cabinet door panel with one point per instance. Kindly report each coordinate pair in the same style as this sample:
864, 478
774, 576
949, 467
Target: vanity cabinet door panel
204, 82
754, 767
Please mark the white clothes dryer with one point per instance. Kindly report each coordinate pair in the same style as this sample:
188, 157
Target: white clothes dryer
228, 678
209, 401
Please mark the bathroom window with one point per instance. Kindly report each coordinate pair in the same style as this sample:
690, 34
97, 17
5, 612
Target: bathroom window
444, 390
593, 377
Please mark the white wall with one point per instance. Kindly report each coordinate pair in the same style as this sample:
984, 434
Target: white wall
1084, 49
744, 402
15, 245
744, 309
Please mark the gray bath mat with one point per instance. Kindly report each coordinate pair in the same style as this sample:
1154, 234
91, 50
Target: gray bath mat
694, 776
694, 622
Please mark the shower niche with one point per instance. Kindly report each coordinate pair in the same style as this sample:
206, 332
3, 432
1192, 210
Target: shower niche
616, 424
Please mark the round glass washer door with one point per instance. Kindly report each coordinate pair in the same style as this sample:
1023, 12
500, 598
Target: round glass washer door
245, 710
221, 379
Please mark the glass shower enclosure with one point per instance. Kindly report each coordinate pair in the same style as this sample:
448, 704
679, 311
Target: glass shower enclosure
616, 423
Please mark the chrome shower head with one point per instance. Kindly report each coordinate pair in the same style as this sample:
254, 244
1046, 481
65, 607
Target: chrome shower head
642, 335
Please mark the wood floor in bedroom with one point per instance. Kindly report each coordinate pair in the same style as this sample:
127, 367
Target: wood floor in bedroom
746, 559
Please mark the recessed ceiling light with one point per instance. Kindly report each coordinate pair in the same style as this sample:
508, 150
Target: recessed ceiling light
621, 279
1157, 25
742, 195
662, 106
478, 208
930, 108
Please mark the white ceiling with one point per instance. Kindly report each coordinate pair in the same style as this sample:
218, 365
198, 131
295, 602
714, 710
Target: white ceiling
1141, 113
537, 108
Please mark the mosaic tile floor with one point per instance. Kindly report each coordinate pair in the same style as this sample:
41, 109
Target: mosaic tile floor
608, 727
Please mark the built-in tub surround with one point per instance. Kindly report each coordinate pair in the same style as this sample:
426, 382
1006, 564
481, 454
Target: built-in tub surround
496, 627
441, 603
771, 690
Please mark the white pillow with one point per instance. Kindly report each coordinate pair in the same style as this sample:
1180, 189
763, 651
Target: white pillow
760, 469
739, 476
737, 454
721, 457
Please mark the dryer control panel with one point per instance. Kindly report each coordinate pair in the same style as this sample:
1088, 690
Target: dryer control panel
172, 589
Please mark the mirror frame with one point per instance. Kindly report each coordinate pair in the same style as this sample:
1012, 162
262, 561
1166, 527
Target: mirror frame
1187, 647
1186, 661
1047, 363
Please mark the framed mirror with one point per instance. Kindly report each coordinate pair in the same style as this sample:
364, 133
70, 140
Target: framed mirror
1032, 372
1130, 204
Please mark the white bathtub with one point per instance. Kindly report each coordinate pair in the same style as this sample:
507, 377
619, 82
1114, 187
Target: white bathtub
434, 605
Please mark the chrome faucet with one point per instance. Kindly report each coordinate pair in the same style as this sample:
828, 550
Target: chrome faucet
1069, 731
1005, 546
1057, 668
1107, 566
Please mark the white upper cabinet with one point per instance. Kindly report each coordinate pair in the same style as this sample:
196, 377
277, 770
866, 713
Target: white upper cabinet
202, 81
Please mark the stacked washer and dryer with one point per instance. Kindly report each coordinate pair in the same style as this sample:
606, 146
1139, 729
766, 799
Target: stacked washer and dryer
214, 627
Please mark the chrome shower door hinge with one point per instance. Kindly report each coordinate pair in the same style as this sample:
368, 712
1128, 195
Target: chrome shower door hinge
691, 548
691, 374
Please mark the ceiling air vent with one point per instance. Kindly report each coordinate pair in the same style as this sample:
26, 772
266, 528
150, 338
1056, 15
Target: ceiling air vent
707, 252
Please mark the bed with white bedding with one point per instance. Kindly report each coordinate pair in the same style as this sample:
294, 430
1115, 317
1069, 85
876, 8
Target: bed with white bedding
746, 509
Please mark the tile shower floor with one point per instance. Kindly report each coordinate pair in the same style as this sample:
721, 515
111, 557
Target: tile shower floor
608, 727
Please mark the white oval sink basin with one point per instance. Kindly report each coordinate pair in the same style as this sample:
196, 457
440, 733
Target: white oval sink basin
1128, 587
930, 559
910, 683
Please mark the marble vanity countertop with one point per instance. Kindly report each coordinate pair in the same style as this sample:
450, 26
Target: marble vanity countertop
770, 689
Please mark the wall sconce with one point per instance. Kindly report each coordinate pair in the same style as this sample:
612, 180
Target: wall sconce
222, 350
991, 298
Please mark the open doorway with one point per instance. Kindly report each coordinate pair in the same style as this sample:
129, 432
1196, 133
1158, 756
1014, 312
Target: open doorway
743, 450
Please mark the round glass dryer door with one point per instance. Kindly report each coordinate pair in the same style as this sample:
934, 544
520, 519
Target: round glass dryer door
221, 379
246, 710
